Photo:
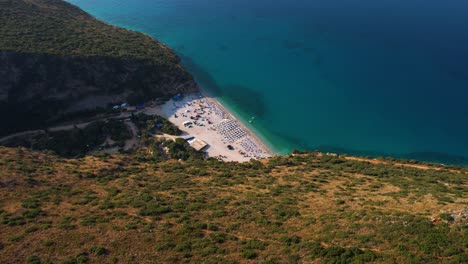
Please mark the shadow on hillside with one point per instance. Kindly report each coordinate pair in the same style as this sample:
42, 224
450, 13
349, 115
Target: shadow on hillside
42, 88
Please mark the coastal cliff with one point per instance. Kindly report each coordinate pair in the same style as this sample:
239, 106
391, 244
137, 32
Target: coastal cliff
55, 59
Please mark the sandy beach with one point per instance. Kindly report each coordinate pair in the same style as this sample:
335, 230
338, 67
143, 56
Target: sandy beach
206, 120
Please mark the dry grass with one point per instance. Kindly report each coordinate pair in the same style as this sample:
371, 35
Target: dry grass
216, 208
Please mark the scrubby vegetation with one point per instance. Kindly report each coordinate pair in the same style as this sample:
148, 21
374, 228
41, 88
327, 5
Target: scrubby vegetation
59, 28
99, 136
294, 209
78, 142
174, 149
54, 56
154, 124
164, 202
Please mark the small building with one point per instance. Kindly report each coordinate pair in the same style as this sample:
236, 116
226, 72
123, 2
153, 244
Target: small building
131, 108
198, 144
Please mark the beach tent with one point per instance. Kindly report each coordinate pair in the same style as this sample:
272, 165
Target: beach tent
198, 144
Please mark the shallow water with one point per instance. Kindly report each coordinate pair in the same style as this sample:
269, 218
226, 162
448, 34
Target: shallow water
367, 77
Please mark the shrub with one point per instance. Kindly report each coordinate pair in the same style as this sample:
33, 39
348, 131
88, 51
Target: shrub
166, 244
340, 202
253, 244
82, 258
218, 237
31, 203
31, 229
33, 260
446, 217
69, 260
291, 240
33, 213
249, 254
98, 251
154, 209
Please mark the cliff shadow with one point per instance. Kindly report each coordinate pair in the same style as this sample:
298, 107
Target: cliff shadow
201, 76
38, 89
249, 100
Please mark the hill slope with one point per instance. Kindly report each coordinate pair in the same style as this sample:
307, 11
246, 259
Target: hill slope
294, 209
55, 59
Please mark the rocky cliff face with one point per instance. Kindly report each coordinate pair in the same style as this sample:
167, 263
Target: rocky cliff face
45, 86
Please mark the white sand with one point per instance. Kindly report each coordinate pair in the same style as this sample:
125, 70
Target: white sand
224, 129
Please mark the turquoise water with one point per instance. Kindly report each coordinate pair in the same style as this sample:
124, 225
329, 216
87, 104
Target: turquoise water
385, 77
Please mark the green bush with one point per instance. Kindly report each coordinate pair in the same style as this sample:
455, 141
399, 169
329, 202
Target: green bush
218, 237
253, 244
150, 124
290, 240
33, 260
154, 209
98, 251
180, 149
82, 258
31, 203
249, 254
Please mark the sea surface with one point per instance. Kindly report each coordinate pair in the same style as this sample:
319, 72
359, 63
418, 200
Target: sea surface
387, 77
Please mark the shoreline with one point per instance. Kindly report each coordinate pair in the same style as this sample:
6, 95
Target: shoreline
207, 125
238, 120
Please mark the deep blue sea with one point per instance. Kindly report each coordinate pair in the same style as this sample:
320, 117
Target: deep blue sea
386, 77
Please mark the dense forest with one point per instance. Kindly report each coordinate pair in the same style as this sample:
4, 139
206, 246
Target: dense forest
59, 28
56, 60
301, 208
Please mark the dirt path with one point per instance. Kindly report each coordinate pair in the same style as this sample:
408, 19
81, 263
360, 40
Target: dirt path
42, 131
20, 134
416, 166
60, 127
133, 142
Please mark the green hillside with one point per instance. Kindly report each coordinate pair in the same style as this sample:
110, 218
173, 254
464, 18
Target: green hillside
57, 60
59, 28
304, 208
